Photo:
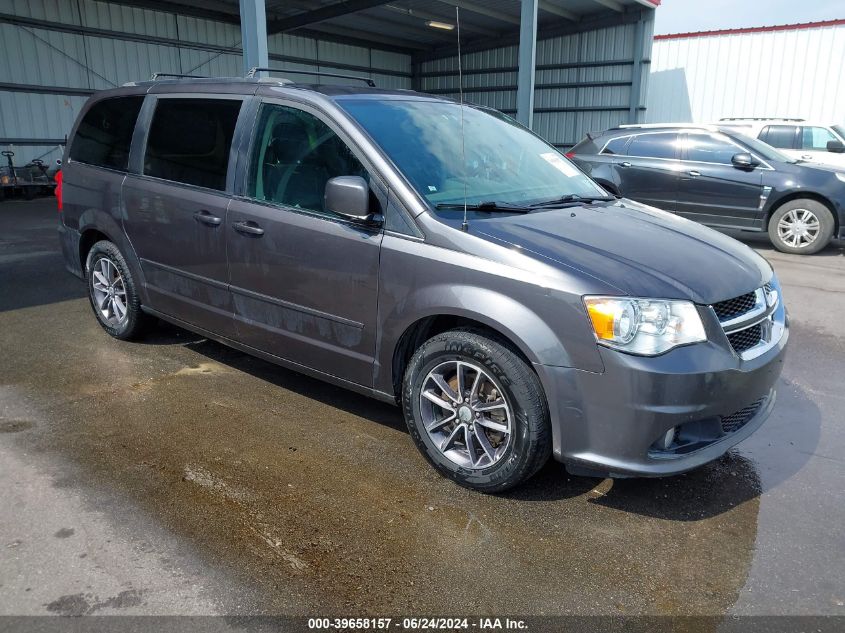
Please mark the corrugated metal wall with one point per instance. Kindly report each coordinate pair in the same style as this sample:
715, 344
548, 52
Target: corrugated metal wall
787, 73
584, 81
53, 52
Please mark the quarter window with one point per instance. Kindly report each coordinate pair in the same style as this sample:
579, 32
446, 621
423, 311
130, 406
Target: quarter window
782, 136
190, 140
104, 135
654, 146
708, 149
816, 138
616, 146
294, 155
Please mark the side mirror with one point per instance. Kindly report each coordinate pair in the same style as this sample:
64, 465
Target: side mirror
837, 147
349, 196
59, 162
744, 160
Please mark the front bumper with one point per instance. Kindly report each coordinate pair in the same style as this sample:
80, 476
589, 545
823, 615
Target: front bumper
608, 423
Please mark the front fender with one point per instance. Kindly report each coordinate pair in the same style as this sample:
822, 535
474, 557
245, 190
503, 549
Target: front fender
535, 306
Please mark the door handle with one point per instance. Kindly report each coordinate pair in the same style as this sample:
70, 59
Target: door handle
625, 164
206, 218
248, 228
694, 174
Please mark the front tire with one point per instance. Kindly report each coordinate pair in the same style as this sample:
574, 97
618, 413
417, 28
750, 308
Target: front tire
801, 227
113, 293
476, 410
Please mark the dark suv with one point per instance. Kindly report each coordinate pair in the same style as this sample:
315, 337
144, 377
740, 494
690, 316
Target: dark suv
428, 254
719, 177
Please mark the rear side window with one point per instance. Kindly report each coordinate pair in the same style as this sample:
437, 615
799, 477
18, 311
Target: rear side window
816, 138
190, 139
782, 136
104, 135
654, 146
616, 146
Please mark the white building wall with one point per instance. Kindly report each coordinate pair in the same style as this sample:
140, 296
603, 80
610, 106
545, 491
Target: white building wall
782, 73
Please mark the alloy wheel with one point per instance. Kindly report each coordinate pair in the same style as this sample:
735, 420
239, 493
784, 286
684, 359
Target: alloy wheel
465, 414
109, 292
798, 228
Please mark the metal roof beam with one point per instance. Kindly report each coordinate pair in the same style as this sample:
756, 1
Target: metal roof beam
548, 7
425, 16
587, 23
482, 10
321, 15
366, 39
612, 4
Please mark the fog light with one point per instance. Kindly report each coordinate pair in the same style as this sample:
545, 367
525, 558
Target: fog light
666, 441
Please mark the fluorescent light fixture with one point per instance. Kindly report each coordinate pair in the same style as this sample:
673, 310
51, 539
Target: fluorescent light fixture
440, 25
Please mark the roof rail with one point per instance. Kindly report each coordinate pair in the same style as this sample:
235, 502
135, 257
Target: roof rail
256, 69
656, 126
178, 76
759, 118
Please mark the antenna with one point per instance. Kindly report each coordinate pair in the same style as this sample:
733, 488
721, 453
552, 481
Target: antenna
464, 224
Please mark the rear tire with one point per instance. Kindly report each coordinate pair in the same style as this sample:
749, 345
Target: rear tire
802, 227
499, 434
113, 294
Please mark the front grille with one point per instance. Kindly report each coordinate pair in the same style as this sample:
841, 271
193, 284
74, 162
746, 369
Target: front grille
735, 307
747, 338
737, 420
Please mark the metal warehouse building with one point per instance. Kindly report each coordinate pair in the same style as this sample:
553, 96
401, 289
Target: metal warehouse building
793, 70
591, 56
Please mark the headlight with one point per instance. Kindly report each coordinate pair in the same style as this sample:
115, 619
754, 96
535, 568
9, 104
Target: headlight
644, 326
841, 175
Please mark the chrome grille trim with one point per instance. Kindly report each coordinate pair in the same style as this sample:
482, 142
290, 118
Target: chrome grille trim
761, 317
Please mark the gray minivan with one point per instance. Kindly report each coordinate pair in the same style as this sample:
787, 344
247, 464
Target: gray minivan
433, 255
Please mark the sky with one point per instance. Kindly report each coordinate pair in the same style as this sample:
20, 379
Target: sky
683, 16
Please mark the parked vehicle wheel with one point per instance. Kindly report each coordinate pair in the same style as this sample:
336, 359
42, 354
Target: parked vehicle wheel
476, 411
801, 226
112, 292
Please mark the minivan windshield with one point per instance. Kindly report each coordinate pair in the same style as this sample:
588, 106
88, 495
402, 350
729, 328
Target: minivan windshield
504, 165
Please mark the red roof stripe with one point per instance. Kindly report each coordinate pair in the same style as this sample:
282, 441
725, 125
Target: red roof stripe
755, 29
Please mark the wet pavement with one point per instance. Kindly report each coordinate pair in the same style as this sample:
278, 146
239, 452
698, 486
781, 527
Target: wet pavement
208, 481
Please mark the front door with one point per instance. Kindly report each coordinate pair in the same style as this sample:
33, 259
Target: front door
304, 281
175, 211
711, 189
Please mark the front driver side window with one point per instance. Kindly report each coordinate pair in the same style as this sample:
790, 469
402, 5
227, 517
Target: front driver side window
294, 155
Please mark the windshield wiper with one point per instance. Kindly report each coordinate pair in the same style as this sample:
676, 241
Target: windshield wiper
572, 198
484, 206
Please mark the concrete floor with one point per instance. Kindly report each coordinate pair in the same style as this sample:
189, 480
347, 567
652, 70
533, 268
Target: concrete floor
178, 476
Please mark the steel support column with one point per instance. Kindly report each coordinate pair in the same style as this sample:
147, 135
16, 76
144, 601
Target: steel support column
637, 72
254, 34
527, 62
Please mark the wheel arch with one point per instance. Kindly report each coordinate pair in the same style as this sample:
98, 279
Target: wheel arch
95, 225
426, 327
507, 320
803, 195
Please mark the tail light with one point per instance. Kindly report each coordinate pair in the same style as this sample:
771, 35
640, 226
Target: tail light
59, 188
570, 155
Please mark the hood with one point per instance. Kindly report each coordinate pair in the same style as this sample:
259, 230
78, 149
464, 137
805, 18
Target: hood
642, 251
